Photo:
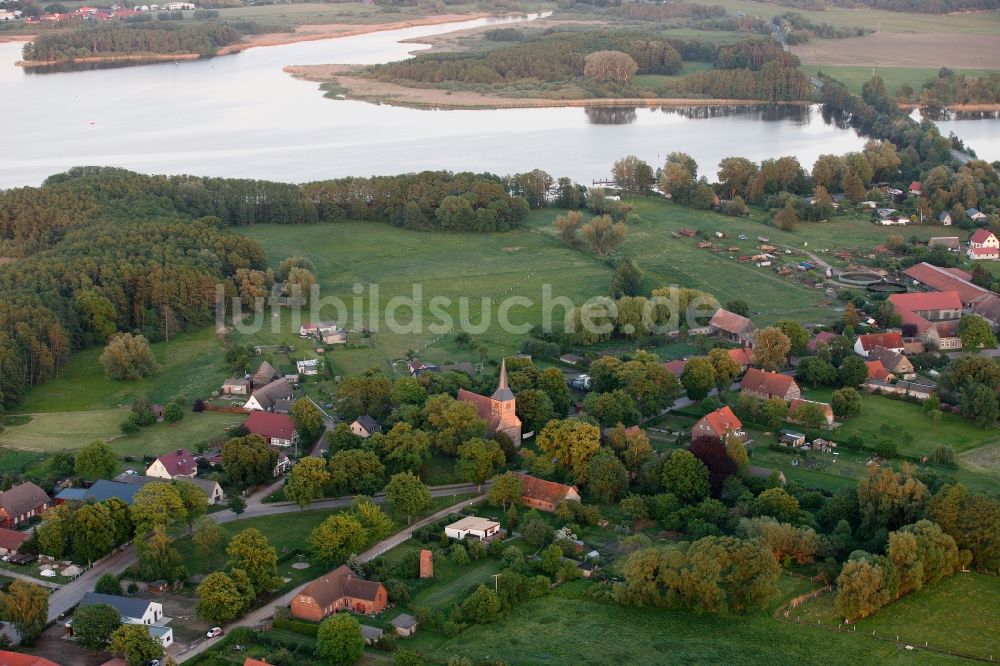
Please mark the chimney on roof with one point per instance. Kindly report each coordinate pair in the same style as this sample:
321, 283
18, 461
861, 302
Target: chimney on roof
179, 451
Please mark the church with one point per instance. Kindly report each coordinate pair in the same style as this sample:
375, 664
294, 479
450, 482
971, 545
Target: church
498, 409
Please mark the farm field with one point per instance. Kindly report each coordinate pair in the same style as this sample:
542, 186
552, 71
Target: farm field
59, 431
190, 365
855, 76
567, 627
957, 614
895, 49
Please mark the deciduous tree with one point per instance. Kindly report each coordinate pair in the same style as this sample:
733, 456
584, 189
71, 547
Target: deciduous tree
770, 349
135, 644
250, 551
96, 461
306, 480
407, 494
26, 606
572, 443
339, 640
128, 357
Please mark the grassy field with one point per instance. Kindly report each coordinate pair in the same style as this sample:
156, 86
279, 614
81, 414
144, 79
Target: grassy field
189, 365
957, 614
651, 81
568, 628
57, 431
856, 76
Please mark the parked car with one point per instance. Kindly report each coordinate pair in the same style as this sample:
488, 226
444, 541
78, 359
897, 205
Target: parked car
214, 631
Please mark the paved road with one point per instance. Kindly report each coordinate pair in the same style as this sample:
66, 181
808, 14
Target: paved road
256, 617
68, 595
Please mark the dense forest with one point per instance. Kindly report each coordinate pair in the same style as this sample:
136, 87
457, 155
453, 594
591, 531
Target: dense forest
950, 88
132, 39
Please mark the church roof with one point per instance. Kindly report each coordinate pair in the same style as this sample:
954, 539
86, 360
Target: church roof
503, 392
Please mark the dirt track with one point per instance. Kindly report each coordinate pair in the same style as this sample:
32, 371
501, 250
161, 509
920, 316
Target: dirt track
896, 49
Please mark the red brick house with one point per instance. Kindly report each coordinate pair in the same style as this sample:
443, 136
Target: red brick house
718, 424
341, 589
545, 495
22, 503
767, 385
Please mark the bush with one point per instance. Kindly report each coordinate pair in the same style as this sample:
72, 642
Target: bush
943, 455
296, 626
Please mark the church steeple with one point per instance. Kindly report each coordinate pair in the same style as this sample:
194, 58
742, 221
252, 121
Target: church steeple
503, 392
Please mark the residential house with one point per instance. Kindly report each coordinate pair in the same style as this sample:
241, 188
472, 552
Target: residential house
894, 362
865, 343
983, 254
11, 540
988, 309
975, 215
937, 278
272, 397
545, 495
133, 611
405, 624
733, 327
365, 426
8, 658
265, 375
277, 429
796, 403
945, 218
935, 316
570, 359
481, 528
102, 490
878, 371
950, 243
498, 410
22, 503
915, 188
765, 385
718, 424
308, 330
213, 491
308, 367
178, 464
340, 589
236, 386
283, 464
823, 337
984, 238
417, 367
743, 356
676, 367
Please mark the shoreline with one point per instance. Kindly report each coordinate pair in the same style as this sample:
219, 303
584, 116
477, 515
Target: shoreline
154, 57
987, 107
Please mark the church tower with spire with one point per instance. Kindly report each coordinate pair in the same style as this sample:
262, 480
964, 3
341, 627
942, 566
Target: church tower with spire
499, 410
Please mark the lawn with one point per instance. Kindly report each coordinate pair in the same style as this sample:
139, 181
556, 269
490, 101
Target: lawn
856, 76
317, 13
57, 431
566, 627
190, 365
957, 614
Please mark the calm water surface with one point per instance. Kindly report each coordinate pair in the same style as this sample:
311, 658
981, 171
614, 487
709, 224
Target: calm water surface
242, 116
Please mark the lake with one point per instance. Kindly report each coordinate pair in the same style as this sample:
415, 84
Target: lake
242, 116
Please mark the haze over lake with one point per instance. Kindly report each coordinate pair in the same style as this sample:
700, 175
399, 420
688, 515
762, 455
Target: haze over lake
242, 116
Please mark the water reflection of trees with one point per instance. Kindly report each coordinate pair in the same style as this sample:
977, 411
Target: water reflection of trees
621, 115
938, 115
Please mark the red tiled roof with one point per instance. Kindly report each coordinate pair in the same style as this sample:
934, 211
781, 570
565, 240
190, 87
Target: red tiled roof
877, 371
768, 383
12, 539
917, 302
741, 355
8, 658
179, 463
730, 322
946, 279
870, 341
268, 424
675, 367
981, 236
822, 336
254, 662
915, 186
984, 251
720, 421
546, 491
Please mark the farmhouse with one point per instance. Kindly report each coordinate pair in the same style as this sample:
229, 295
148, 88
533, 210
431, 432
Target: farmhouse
22, 503
733, 327
11, 540
893, 361
235, 386
945, 218
273, 397
864, 345
766, 385
498, 410
265, 375
545, 495
277, 429
337, 590
719, 424
983, 253
799, 402
481, 528
935, 316
936, 278
176, 464
365, 426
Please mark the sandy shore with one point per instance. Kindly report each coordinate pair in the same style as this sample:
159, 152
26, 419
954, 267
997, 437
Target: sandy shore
6, 39
383, 92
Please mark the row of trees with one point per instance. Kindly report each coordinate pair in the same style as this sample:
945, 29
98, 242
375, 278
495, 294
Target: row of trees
108, 39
